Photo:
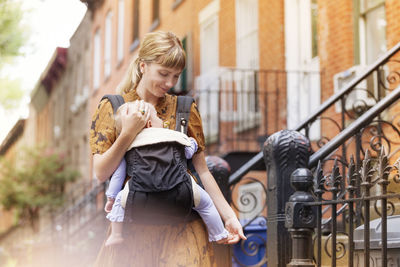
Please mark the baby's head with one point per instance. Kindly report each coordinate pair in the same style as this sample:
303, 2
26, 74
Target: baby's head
154, 120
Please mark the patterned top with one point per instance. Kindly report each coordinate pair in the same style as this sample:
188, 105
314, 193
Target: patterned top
103, 133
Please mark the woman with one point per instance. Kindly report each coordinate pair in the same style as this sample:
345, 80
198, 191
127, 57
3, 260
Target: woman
160, 61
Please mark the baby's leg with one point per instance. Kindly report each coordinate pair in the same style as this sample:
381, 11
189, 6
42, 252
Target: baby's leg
116, 216
208, 212
116, 234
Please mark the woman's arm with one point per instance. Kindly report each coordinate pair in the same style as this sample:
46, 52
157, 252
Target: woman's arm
232, 224
132, 122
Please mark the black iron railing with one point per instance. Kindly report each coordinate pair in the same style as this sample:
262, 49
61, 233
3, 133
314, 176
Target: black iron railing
359, 243
349, 189
77, 231
241, 107
336, 113
348, 126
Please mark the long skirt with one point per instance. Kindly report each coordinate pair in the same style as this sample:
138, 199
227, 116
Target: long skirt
184, 244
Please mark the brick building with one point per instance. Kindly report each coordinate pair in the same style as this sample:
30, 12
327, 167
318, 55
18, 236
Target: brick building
58, 111
254, 66
9, 151
236, 45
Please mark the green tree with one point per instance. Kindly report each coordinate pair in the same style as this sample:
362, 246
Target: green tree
35, 182
13, 36
11, 93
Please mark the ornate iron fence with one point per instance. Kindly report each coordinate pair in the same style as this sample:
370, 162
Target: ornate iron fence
372, 123
344, 107
251, 204
349, 191
241, 107
374, 177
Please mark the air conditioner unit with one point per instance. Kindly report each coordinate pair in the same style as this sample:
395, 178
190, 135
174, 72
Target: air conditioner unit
359, 95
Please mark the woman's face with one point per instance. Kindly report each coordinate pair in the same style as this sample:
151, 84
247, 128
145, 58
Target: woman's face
158, 79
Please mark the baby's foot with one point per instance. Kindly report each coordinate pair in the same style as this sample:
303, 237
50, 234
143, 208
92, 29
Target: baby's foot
114, 240
109, 204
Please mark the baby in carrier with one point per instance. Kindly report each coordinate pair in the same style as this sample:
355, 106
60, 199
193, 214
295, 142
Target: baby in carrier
152, 138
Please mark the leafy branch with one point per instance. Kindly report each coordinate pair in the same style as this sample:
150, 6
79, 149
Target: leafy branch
35, 182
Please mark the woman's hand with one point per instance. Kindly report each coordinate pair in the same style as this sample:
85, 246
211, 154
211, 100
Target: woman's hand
232, 224
235, 230
134, 116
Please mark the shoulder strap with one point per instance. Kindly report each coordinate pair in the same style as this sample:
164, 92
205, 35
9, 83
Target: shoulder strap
115, 100
182, 113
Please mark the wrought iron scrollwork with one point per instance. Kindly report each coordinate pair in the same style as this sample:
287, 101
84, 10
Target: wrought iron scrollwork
392, 77
248, 201
340, 248
371, 172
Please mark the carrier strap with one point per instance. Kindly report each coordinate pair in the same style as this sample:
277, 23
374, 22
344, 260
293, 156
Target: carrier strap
115, 100
183, 106
183, 112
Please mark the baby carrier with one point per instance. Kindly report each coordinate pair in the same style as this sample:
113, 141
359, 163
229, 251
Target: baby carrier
160, 189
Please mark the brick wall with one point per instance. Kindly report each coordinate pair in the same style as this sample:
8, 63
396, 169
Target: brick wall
336, 42
227, 34
393, 23
271, 34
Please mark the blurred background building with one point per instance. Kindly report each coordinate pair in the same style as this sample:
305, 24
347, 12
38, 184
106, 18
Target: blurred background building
254, 67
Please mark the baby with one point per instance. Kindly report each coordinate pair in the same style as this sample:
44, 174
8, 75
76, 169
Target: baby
116, 197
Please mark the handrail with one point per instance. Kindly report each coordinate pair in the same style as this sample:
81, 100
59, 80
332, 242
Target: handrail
330, 101
362, 121
79, 205
236, 176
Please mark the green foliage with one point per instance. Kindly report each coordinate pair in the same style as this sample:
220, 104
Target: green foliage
10, 93
12, 33
36, 181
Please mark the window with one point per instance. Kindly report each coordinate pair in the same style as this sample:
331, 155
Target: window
314, 28
372, 30
156, 14
207, 83
247, 57
96, 60
176, 4
121, 17
372, 39
302, 63
135, 33
107, 45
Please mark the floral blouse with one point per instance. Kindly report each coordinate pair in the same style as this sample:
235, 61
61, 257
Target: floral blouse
103, 133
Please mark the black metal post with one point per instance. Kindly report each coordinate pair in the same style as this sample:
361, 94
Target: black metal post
283, 152
221, 170
301, 219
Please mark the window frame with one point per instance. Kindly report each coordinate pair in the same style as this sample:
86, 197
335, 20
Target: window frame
96, 59
108, 44
155, 15
120, 31
135, 27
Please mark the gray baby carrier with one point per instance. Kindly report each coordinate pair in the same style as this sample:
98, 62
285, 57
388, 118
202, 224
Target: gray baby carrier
160, 189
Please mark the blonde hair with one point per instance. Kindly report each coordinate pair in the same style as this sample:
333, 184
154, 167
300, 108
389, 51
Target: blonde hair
159, 47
